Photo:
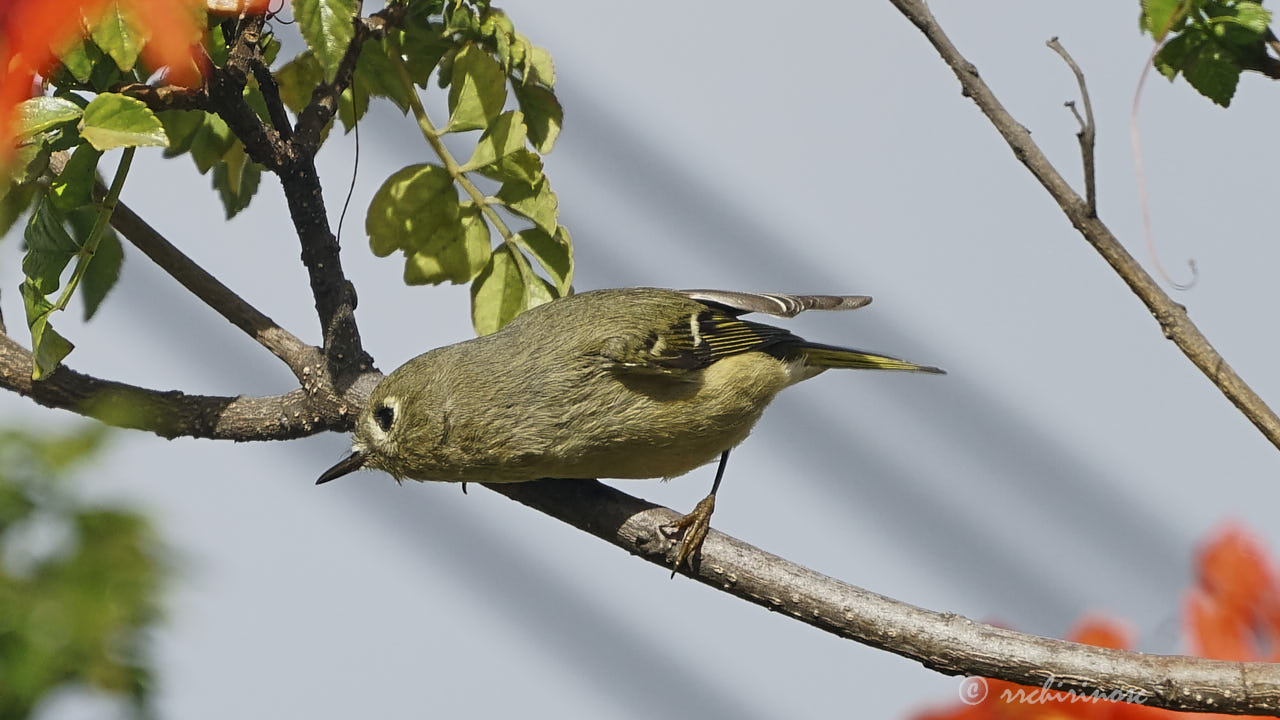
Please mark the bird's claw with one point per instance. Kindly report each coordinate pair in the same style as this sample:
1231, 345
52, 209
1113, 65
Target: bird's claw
692, 531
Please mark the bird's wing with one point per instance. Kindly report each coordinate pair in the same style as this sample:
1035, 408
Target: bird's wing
694, 342
776, 304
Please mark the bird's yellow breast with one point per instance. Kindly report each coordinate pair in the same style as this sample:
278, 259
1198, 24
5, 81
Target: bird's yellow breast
653, 426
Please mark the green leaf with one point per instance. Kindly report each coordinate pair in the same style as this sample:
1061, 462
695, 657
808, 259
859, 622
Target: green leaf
554, 253
423, 47
1172, 57
521, 166
539, 68
1253, 17
538, 203
411, 207
353, 103
114, 120
29, 162
298, 79
15, 200
505, 136
460, 18
254, 98
543, 115
236, 179
477, 90
38, 114
216, 46
181, 127
270, 46
327, 26
48, 348
49, 248
79, 59
538, 292
498, 294
74, 187
375, 75
211, 142
1213, 72
1160, 17
456, 259
120, 35
104, 267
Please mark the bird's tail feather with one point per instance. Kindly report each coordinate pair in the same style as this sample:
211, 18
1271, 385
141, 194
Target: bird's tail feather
830, 356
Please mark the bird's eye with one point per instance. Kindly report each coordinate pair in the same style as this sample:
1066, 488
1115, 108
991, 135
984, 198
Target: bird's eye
384, 415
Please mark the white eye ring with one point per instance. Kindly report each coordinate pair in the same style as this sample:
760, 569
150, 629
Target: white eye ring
385, 414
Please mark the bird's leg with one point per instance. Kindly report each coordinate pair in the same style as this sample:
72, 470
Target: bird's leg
692, 528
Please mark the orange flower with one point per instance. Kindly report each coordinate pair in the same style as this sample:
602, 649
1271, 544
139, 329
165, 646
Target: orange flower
1232, 613
34, 32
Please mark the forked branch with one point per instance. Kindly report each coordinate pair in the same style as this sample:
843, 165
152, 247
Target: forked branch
1171, 316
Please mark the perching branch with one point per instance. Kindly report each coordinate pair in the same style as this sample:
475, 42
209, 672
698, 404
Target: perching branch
169, 414
1171, 316
945, 642
941, 641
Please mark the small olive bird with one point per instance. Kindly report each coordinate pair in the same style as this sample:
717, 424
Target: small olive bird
630, 383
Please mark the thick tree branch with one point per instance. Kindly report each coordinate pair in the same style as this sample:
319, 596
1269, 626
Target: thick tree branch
169, 414
1171, 315
944, 642
334, 295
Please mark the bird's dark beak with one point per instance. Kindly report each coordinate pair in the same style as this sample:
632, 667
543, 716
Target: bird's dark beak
350, 463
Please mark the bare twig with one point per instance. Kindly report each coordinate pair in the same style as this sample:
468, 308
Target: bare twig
1171, 316
168, 414
1088, 131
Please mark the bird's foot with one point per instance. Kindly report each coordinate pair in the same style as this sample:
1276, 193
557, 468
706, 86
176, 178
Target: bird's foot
692, 531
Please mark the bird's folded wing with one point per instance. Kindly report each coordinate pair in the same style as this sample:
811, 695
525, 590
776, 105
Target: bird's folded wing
776, 304
696, 342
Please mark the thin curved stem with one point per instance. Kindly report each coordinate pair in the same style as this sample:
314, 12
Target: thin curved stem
433, 138
100, 224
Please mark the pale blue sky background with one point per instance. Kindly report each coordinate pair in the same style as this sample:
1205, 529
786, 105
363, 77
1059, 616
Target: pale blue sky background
1068, 464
